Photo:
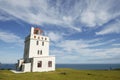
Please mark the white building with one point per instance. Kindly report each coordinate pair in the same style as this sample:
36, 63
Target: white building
36, 53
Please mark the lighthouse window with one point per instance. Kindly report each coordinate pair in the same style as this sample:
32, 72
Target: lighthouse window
45, 38
39, 64
36, 31
41, 52
34, 36
49, 63
38, 52
42, 43
37, 42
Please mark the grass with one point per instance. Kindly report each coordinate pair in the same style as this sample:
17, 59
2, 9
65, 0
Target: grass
63, 74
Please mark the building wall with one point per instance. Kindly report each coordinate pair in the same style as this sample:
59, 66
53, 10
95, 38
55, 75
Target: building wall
34, 48
20, 62
26, 67
26, 48
33, 54
44, 67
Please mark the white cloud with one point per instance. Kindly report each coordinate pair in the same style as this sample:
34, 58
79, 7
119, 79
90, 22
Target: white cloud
2, 18
116, 44
76, 45
90, 13
110, 28
94, 16
88, 18
10, 38
68, 19
55, 37
36, 12
97, 13
75, 16
81, 51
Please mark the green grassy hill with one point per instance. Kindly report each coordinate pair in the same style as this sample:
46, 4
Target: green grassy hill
63, 74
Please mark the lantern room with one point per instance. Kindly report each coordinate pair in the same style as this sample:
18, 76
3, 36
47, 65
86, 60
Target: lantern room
38, 31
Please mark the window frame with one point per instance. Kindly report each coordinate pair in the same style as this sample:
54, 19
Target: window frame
43, 43
37, 42
40, 52
35, 37
49, 63
39, 64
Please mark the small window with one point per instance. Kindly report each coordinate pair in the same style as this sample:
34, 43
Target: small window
45, 38
38, 37
36, 31
37, 42
49, 63
38, 52
39, 64
41, 52
42, 38
42, 43
34, 36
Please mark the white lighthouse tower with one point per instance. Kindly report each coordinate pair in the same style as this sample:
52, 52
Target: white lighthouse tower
36, 53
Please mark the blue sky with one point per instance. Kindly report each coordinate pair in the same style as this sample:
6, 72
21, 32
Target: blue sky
81, 31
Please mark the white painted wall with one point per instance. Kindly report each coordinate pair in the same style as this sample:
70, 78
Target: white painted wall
44, 67
26, 67
32, 31
20, 62
31, 56
34, 48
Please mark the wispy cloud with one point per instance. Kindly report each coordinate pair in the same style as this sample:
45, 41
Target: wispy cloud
116, 44
5, 16
54, 36
110, 28
9, 37
73, 16
84, 50
63, 13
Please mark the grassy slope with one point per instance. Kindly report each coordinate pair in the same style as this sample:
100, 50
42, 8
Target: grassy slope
57, 75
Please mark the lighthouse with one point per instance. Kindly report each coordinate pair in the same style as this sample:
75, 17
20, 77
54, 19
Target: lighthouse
36, 56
